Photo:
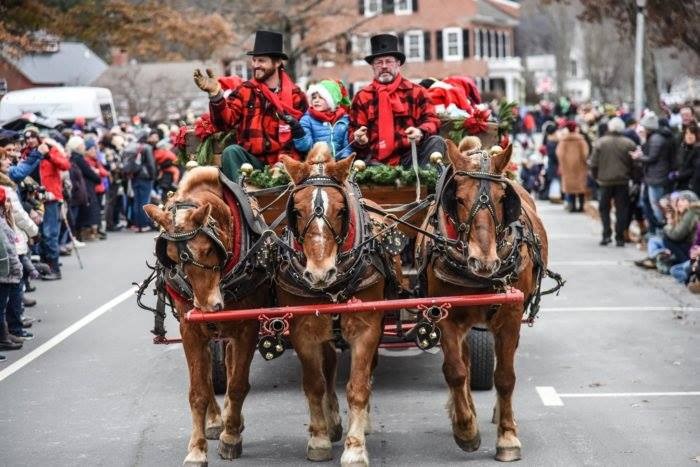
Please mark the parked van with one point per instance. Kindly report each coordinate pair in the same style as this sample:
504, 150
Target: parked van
64, 103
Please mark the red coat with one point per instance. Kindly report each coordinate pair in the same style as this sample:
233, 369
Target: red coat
50, 171
101, 171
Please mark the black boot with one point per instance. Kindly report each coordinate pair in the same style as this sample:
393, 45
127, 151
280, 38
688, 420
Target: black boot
55, 273
5, 342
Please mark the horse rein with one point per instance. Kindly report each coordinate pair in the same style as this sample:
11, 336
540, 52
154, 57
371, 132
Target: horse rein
181, 239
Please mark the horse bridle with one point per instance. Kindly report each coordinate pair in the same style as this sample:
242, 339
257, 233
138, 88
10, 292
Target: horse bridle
181, 239
320, 181
484, 200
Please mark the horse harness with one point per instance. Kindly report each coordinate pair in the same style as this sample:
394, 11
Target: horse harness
353, 261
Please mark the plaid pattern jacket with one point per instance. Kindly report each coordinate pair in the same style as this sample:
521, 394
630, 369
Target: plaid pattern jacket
365, 112
240, 112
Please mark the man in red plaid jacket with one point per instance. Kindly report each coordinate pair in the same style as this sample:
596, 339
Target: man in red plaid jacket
263, 111
391, 111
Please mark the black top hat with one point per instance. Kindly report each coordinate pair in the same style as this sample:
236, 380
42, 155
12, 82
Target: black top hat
385, 44
268, 43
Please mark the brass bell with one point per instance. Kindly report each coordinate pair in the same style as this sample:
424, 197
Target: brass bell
170, 194
495, 150
191, 165
247, 169
436, 158
359, 166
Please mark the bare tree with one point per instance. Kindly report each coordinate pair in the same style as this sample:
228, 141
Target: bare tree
608, 66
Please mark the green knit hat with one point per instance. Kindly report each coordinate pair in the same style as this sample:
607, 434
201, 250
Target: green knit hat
331, 91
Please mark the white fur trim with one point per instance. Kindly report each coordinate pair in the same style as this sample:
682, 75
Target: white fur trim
323, 92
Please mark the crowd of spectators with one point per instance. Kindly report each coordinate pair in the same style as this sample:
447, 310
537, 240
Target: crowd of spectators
647, 172
60, 190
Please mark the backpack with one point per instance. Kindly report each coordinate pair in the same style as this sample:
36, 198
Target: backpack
132, 163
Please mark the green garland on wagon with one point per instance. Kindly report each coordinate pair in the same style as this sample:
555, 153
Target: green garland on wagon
382, 175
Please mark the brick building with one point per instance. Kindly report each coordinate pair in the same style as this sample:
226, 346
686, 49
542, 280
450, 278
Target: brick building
439, 37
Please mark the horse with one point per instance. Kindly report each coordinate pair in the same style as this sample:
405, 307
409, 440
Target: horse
330, 255
486, 236
207, 236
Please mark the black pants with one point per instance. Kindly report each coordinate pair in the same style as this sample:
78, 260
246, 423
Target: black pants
619, 194
425, 148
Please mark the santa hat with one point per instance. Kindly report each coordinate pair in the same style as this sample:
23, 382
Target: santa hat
333, 92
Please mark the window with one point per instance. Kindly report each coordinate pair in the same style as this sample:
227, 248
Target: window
403, 7
361, 47
413, 46
574, 68
504, 50
373, 7
452, 44
482, 44
240, 69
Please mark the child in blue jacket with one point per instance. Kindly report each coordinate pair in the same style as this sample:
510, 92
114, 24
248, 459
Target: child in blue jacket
326, 120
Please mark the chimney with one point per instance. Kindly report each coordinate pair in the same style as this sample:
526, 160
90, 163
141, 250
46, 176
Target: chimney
120, 57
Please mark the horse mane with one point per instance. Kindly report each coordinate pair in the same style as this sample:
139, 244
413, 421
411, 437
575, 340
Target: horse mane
469, 143
202, 185
198, 177
320, 153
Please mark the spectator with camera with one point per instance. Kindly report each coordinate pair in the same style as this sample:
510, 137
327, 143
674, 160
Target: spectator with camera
52, 163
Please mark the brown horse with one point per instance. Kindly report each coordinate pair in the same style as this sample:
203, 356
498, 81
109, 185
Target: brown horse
495, 239
203, 238
327, 261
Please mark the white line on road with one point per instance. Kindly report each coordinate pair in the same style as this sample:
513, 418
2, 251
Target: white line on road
551, 398
619, 308
63, 335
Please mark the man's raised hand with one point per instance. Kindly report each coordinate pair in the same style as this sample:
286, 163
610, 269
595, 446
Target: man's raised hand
360, 135
207, 82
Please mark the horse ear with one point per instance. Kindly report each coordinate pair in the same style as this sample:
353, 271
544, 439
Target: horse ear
157, 215
453, 152
341, 169
297, 171
200, 215
502, 159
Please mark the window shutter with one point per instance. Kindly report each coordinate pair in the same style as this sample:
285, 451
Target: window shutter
426, 45
438, 44
388, 6
348, 45
402, 46
415, 5
361, 7
465, 43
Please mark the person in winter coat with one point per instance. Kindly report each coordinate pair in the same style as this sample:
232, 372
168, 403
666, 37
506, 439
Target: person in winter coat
551, 175
326, 120
49, 176
100, 188
611, 166
168, 172
89, 217
572, 153
657, 157
688, 175
672, 246
11, 330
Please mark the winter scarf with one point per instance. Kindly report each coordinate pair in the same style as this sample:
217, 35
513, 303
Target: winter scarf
283, 102
327, 116
389, 104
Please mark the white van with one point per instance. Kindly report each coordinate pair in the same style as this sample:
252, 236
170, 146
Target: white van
63, 103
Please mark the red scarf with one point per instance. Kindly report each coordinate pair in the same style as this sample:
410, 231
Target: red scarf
328, 115
283, 102
389, 103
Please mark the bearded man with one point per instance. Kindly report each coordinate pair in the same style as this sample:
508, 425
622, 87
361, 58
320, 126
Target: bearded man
259, 110
391, 111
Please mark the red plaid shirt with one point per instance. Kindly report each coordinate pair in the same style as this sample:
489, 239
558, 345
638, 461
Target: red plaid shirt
240, 111
365, 112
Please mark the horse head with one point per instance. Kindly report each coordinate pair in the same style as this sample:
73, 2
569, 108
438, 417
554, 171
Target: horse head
318, 211
195, 235
480, 202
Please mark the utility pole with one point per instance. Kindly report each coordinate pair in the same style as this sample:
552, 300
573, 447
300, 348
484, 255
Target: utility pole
638, 64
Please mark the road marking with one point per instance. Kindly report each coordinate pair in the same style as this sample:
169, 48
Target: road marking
63, 335
550, 397
618, 308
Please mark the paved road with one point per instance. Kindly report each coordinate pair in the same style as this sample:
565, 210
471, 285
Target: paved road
106, 396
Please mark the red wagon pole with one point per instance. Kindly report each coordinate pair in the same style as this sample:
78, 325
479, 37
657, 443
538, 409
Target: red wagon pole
356, 306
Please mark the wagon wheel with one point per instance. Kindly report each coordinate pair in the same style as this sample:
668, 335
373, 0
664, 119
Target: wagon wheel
218, 365
482, 359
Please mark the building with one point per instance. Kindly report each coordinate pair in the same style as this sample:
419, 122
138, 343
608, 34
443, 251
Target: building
439, 37
60, 64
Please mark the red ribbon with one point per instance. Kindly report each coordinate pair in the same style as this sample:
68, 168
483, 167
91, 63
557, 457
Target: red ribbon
477, 122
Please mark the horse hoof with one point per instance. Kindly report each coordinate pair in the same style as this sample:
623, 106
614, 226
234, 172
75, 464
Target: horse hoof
508, 454
319, 454
213, 432
195, 464
336, 433
196, 458
470, 445
354, 457
230, 451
